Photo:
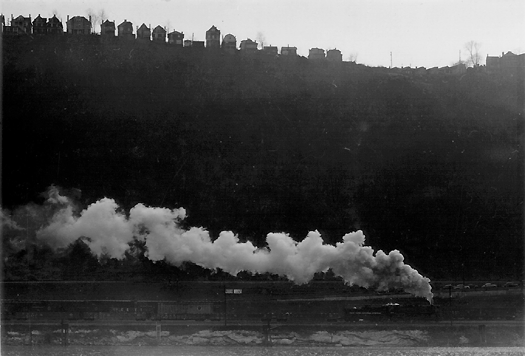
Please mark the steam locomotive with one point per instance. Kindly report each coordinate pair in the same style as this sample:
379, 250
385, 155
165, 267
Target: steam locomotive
392, 311
115, 310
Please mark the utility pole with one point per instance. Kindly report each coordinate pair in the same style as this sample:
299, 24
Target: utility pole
225, 310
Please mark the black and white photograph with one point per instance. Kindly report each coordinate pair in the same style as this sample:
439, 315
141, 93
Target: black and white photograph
263, 178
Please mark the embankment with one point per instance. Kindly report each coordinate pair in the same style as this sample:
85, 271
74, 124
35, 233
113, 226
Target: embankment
253, 335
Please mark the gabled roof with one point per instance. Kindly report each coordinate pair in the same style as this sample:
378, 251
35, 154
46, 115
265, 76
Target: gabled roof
79, 18
159, 28
22, 18
125, 22
213, 28
175, 33
143, 27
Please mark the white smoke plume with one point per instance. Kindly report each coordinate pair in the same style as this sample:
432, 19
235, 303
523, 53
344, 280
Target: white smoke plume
109, 231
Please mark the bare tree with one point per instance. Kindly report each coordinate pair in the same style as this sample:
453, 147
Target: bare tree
352, 57
94, 18
260, 38
102, 16
473, 53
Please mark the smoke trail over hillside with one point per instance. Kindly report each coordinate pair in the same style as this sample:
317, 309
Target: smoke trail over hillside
108, 230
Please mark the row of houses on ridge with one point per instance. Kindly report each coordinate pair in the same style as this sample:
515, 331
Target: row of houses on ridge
79, 25
333, 55
507, 64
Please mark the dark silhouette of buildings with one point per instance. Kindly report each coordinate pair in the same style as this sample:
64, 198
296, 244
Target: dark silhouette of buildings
144, 32
78, 25
107, 28
159, 34
213, 38
125, 30
176, 38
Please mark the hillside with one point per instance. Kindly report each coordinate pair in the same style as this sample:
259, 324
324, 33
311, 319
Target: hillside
429, 165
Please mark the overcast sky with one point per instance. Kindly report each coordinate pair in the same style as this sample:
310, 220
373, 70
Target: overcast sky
418, 33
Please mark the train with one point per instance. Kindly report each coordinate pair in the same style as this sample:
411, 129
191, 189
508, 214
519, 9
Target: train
392, 311
110, 310
137, 310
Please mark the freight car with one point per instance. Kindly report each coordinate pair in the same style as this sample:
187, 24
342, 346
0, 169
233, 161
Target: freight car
108, 310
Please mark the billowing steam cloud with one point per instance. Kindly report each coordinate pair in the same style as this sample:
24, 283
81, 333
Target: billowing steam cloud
107, 230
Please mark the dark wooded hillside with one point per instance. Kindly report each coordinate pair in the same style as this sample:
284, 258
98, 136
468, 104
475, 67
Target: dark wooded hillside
428, 165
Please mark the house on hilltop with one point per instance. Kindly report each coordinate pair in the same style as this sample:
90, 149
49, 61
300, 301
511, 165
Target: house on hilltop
54, 26
176, 38
510, 61
270, 50
316, 54
193, 44
40, 25
288, 51
213, 38
125, 30
508, 64
159, 34
143, 32
107, 28
334, 55
492, 62
78, 25
248, 46
197, 44
21, 25
229, 43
